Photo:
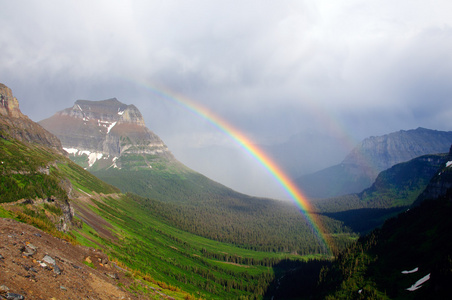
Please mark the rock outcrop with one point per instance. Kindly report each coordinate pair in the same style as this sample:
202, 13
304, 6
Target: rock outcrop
36, 265
15, 125
106, 130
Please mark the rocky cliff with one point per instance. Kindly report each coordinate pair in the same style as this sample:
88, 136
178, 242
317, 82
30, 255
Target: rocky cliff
105, 131
382, 152
15, 125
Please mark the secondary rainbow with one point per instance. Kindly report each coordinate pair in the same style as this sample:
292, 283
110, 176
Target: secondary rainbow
282, 178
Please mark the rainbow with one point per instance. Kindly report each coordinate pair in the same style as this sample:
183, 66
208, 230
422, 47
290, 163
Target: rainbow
287, 184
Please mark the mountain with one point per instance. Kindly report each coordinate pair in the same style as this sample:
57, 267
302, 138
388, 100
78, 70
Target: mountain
394, 190
441, 184
135, 251
408, 258
362, 165
14, 124
193, 202
108, 133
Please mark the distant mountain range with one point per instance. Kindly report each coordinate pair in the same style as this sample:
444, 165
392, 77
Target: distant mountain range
373, 155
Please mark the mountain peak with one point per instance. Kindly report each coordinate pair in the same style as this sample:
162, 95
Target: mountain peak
107, 130
14, 124
105, 111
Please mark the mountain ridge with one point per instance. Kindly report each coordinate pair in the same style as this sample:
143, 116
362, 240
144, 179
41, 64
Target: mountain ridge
362, 165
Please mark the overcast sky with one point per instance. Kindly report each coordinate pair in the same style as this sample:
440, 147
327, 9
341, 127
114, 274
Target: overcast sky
350, 69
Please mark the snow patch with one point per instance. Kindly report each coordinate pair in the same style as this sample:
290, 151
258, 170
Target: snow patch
93, 157
111, 126
120, 112
106, 124
71, 150
418, 283
412, 271
448, 164
114, 165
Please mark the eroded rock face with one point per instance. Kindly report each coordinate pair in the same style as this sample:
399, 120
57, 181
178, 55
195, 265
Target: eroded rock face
108, 128
9, 106
15, 125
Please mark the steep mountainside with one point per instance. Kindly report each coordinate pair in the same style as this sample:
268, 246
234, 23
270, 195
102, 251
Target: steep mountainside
108, 133
441, 184
408, 258
14, 124
373, 155
393, 191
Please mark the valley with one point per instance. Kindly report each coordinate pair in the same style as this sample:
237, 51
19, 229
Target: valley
161, 230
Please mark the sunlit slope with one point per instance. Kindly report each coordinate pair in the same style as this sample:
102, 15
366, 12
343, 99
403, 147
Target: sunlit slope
128, 230
192, 202
160, 255
135, 232
33, 171
161, 252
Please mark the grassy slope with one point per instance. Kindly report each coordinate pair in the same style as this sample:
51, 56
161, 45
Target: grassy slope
194, 203
30, 171
216, 270
156, 253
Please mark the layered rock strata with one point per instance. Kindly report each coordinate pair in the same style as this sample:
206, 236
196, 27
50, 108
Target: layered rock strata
106, 129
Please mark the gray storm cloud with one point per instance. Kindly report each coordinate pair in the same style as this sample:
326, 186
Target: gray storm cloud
349, 69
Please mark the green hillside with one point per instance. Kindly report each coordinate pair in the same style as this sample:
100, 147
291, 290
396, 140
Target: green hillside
139, 233
162, 253
194, 203
394, 190
408, 258
30, 171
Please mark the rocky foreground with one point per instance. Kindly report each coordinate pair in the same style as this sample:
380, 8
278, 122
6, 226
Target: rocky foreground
36, 265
